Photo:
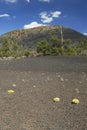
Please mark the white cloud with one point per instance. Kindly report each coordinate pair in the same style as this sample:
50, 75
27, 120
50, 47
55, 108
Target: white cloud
45, 18
28, 1
56, 14
4, 15
85, 34
48, 18
45, 0
32, 25
11, 1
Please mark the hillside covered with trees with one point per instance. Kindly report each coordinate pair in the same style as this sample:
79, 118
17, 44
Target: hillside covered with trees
50, 40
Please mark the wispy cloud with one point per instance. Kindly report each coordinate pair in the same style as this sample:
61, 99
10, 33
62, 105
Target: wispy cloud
85, 33
10, 1
32, 25
14, 17
13, 1
45, 0
28, 1
55, 14
49, 17
4, 15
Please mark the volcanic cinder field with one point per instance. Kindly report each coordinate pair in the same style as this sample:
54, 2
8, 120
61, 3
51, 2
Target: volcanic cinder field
35, 82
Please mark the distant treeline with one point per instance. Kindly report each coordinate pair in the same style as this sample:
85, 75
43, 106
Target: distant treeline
62, 47
53, 47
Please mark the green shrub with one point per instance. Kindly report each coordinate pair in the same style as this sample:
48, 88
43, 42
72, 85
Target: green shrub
43, 47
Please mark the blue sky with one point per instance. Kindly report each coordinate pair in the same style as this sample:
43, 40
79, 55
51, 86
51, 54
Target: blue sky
24, 14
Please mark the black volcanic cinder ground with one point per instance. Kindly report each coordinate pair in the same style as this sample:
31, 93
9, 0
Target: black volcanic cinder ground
38, 80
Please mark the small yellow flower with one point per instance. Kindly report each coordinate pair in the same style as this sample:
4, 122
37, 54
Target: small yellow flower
56, 99
75, 101
10, 91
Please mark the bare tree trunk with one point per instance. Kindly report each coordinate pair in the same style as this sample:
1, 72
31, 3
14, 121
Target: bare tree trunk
61, 32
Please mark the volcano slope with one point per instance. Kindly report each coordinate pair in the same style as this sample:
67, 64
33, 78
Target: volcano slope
29, 38
36, 81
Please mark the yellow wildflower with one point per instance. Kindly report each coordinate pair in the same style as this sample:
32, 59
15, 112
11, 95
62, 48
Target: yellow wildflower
10, 91
56, 99
75, 101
